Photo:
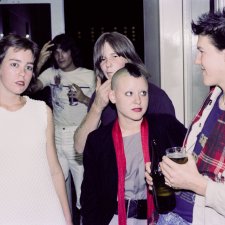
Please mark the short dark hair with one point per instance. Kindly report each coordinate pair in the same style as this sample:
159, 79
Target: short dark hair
66, 42
18, 42
134, 70
213, 26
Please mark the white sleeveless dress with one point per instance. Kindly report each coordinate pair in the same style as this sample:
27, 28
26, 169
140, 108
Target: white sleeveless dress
27, 193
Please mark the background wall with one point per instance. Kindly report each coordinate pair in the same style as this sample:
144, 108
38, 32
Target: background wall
170, 49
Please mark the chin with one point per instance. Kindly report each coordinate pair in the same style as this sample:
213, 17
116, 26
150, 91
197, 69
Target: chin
137, 118
208, 83
108, 77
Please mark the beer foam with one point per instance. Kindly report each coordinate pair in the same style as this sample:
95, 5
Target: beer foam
176, 155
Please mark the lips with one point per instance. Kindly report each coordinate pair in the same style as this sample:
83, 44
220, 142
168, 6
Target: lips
21, 83
137, 109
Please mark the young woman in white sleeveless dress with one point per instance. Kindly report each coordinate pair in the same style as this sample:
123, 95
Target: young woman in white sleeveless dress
32, 190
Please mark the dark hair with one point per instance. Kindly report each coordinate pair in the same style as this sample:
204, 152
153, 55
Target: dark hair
134, 70
213, 26
18, 42
66, 42
122, 47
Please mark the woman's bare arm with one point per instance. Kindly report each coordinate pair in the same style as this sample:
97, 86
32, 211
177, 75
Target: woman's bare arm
55, 169
92, 120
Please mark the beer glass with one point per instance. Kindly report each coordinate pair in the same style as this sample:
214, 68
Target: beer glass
177, 154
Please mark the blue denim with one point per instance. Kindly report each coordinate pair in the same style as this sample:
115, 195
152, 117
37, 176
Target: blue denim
171, 219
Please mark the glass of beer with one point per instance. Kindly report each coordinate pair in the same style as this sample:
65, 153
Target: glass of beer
177, 154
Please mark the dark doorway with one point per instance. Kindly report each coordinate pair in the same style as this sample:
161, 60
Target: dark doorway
25, 19
86, 20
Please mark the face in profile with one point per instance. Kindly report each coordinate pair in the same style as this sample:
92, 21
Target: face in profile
211, 61
130, 94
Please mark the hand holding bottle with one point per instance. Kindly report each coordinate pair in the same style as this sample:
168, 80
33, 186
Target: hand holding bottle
164, 197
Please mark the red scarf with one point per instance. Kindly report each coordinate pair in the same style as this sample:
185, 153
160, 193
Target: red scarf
121, 166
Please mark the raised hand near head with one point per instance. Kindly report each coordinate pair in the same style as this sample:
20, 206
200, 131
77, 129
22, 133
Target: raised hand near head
102, 93
45, 53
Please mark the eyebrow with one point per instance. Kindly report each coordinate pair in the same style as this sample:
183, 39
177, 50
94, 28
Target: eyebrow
17, 60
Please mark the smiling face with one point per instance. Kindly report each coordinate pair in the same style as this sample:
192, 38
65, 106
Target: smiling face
212, 62
130, 94
16, 70
110, 61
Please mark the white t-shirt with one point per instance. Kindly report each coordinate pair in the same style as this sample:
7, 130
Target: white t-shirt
65, 114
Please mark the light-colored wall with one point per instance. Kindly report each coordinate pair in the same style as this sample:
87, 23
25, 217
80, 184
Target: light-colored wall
194, 90
151, 39
170, 49
171, 52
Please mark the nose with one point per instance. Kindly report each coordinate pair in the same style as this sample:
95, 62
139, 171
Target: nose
108, 62
60, 55
198, 59
22, 72
137, 99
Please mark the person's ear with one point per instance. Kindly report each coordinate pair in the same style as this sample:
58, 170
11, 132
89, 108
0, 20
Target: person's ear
112, 97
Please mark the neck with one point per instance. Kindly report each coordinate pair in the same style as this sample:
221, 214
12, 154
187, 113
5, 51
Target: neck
129, 127
12, 104
69, 68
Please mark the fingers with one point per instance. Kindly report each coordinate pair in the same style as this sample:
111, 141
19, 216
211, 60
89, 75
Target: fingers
168, 183
45, 49
105, 85
76, 86
169, 169
147, 167
147, 175
102, 93
167, 165
45, 52
98, 82
177, 175
47, 45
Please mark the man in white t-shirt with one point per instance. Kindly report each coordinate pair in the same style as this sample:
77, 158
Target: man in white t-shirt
64, 76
